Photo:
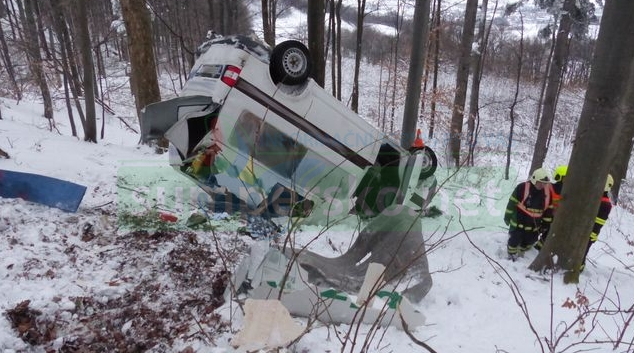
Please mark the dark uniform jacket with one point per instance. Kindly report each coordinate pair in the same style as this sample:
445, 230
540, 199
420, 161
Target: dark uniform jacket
602, 216
529, 209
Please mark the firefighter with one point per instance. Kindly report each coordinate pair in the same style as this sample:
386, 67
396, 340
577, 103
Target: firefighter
602, 216
555, 192
528, 212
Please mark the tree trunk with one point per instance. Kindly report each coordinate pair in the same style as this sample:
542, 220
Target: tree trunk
354, 105
269, 12
83, 42
625, 140
474, 99
594, 146
518, 80
542, 90
60, 26
333, 40
560, 57
434, 89
35, 62
40, 30
394, 57
462, 79
316, 16
338, 47
143, 75
420, 37
6, 59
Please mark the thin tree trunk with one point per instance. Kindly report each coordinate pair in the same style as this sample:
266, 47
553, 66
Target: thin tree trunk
40, 30
333, 40
462, 79
269, 9
474, 99
83, 39
316, 16
6, 59
518, 80
354, 105
35, 62
434, 90
417, 62
399, 23
542, 91
338, 46
560, 57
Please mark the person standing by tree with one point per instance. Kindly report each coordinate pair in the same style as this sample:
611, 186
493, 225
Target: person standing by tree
555, 192
602, 216
528, 212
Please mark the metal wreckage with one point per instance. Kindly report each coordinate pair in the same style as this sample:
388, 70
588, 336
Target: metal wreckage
261, 137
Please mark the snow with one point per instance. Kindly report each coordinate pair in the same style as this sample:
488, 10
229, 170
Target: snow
50, 258
114, 272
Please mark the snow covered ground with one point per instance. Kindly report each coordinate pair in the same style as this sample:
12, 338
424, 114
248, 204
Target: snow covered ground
114, 277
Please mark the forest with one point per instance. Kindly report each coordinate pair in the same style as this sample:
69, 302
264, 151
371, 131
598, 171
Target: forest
433, 59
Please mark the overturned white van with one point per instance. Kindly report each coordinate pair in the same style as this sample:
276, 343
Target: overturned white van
256, 133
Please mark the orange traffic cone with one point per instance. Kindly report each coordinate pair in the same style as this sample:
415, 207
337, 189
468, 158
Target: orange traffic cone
418, 142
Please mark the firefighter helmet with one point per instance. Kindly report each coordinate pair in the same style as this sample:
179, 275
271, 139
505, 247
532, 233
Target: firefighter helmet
609, 183
560, 172
540, 175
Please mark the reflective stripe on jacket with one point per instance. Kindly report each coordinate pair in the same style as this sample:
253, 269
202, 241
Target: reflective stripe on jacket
528, 208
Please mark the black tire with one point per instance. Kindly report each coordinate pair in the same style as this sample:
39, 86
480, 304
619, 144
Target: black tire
430, 162
290, 63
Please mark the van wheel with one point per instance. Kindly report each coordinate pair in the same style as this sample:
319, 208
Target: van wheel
290, 63
430, 162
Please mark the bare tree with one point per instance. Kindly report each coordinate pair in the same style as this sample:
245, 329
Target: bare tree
518, 80
35, 60
569, 14
143, 76
592, 152
416, 65
542, 90
354, 105
316, 15
83, 39
436, 43
61, 30
462, 79
269, 17
6, 58
478, 63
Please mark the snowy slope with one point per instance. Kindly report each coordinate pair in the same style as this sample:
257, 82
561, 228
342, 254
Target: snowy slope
99, 279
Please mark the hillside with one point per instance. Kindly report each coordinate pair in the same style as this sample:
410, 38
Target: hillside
114, 276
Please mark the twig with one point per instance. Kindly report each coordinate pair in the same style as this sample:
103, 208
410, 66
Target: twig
202, 330
102, 205
126, 124
411, 335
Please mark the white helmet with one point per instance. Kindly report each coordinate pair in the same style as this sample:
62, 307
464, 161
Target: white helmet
540, 175
609, 182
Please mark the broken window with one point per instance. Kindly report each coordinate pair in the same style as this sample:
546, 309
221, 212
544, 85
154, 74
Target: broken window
267, 144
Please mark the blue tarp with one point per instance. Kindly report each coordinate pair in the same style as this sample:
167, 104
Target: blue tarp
41, 189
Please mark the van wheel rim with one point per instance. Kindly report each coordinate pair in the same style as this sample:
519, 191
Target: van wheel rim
294, 62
